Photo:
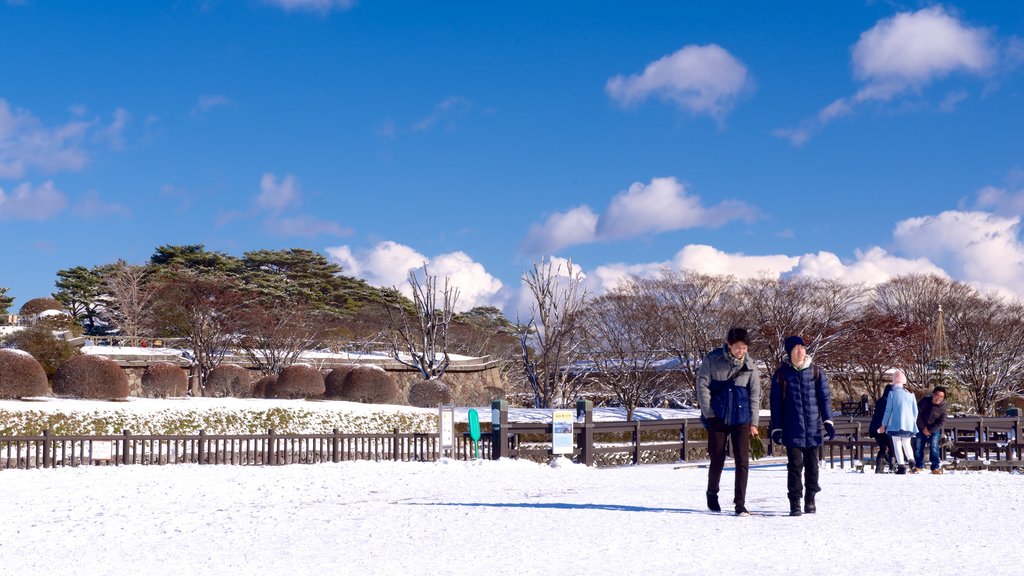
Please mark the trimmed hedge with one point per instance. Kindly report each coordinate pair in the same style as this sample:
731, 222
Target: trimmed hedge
228, 381
259, 388
37, 305
93, 377
334, 381
370, 385
164, 379
429, 393
297, 381
21, 375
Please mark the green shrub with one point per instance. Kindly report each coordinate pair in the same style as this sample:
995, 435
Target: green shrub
164, 379
88, 376
228, 381
297, 381
370, 385
21, 375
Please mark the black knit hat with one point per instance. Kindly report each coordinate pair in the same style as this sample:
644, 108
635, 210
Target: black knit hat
792, 342
737, 335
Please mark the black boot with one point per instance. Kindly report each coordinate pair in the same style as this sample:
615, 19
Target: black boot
901, 470
713, 502
809, 507
794, 507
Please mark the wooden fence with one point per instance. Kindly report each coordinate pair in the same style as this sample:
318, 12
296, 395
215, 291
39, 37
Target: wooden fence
988, 440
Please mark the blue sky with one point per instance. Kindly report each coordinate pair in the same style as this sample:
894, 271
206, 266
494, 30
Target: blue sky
850, 140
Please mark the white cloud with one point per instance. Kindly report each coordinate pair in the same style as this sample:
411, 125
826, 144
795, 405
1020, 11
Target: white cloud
699, 79
871, 267
276, 196
446, 113
317, 6
114, 132
980, 247
25, 143
1008, 199
663, 206
904, 54
208, 102
388, 264
709, 260
660, 206
561, 229
26, 202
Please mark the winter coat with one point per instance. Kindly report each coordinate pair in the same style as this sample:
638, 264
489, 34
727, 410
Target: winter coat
900, 418
729, 389
930, 416
876, 417
800, 402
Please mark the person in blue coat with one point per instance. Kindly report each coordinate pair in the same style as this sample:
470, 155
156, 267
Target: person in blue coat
800, 403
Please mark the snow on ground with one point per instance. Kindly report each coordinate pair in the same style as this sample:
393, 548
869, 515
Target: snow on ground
498, 517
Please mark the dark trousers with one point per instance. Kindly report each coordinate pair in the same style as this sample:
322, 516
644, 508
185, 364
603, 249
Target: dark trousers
802, 462
885, 453
718, 432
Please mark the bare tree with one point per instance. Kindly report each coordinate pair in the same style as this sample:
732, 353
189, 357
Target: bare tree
551, 341
203, 307
274, 334
625, 348
876, 343
986, 336
691, 314
131, 296
426, 343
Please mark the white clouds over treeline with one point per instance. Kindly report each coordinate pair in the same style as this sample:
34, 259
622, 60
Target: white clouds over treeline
663, 205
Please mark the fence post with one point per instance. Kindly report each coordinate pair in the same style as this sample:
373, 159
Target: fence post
334, 446
124, 447
395, 447
636, 442
682, 439
271, 457
46, 448
499, 429
585, 408
201, 447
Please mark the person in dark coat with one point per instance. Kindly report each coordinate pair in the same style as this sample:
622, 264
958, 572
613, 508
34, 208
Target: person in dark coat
800, 402
931, 416
882, 439
729, 396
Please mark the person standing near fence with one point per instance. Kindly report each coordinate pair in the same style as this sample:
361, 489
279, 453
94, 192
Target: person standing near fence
882, 439
800, 401
931, 416
729, 396
900, 420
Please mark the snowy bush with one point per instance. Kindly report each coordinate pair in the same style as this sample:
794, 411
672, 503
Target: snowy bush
259, 388
370, 385
334, 381
91, 376
37, 305
228, 381
428, 393
297, 381
164, 379
21, 375
46, 348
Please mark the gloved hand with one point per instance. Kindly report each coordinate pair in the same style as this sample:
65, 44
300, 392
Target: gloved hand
830, 431
777, 436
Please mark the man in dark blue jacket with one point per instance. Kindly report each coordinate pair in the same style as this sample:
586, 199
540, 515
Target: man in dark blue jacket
800, 402
729, 395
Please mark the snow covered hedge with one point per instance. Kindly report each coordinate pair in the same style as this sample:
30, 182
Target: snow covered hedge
151, 416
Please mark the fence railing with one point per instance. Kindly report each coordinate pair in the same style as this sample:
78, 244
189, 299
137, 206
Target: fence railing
595, 443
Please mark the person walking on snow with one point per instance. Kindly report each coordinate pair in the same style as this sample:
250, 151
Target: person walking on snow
729, 396
931, 415
800, 402
900, 420
884, 456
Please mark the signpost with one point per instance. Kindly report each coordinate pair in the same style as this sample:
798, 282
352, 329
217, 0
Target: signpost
446, 428
561, 431
474, 432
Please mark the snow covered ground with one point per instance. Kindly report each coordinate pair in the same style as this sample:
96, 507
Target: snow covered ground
497, 517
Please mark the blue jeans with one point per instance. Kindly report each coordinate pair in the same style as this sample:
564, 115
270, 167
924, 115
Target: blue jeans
933, 448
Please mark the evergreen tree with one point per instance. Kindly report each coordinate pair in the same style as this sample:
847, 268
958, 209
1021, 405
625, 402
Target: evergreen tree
82, 292
5, 301
193, 257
